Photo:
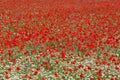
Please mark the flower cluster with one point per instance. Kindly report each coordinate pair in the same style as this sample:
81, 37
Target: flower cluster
60, 40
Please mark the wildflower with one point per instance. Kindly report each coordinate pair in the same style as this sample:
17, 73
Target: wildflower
82, 75
18, 68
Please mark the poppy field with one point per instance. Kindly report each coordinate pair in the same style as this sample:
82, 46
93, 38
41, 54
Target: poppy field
59, 39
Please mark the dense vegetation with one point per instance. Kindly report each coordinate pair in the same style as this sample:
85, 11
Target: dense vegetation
59, 40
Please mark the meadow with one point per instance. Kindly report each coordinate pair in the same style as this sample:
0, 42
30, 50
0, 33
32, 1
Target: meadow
59, 39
